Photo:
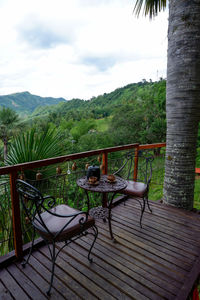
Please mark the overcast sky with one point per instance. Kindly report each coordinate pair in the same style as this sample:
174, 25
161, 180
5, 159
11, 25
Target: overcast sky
78, 48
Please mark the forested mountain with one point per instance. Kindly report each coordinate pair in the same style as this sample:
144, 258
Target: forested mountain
132, 114
25, 103
104, 105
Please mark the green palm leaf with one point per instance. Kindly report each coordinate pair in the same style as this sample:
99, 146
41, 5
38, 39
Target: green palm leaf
32, 146
150, 7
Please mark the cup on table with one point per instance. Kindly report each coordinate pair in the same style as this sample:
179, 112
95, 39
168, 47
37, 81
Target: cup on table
92, 179
111, 177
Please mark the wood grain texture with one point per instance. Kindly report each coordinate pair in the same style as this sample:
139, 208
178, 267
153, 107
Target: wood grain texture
159, 261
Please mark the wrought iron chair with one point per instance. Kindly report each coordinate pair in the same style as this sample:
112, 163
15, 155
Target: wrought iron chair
59, 223
138, 189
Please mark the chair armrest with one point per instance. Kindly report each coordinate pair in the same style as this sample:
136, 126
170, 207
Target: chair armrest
68, 216
52, 202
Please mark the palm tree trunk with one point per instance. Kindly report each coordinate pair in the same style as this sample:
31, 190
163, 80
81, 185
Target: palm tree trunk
183, 101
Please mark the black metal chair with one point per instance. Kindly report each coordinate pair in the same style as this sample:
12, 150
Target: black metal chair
59, 223
138, 189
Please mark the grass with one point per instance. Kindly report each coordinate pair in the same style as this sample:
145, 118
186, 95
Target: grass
156, 188
102, 124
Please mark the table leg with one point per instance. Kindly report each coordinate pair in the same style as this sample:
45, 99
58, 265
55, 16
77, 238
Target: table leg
88, 200
104, 200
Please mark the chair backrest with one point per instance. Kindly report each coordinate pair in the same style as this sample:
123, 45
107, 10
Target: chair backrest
34, 204
125, 166
30, 197
33, 201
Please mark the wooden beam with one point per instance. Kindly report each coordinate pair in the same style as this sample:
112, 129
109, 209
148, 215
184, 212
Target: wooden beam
17, 233
152, 146
135, 164
60, 159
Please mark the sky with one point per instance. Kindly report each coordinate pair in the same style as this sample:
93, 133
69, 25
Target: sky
78, 48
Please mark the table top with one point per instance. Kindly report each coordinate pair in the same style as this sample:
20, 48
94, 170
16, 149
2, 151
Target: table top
103, 185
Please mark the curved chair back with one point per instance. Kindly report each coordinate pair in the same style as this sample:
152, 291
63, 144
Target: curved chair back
37, 207
125, 166
30, 197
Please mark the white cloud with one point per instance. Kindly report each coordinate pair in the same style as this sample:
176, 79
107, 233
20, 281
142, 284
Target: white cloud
77, 48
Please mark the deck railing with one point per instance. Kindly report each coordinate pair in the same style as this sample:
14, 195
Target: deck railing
15, 170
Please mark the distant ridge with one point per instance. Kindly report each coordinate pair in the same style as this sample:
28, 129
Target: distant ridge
25, 103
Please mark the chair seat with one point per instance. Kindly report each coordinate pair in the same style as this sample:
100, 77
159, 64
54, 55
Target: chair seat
135, 188
55, 224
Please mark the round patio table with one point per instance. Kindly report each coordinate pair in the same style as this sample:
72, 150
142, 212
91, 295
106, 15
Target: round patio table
103, 186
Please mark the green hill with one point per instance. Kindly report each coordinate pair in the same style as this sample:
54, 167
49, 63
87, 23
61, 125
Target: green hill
25, 103
104, 105
142, 94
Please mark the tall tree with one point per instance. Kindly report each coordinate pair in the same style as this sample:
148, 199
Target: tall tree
183, 96
8, 121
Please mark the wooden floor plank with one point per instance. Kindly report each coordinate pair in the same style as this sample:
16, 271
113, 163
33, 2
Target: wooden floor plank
85, 275
162, 236
149, 219
63, 281
122, 257
149, 252
118, 286
143, 257
123, 274
160, 261
5, 293
154, 242
25, 282
173, 217
40, 277
122, 251
98, 274
11, 284
181, 212
138, 274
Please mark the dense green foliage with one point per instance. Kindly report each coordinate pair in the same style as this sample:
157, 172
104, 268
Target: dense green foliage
31, 146
134, 113
9, 124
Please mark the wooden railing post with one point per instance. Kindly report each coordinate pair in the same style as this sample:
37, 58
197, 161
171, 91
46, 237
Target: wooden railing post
104, 163
104, 172
136, 164
17, 232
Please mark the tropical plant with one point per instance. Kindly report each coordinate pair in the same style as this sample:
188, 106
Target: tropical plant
183, 93
32, 146
9, 123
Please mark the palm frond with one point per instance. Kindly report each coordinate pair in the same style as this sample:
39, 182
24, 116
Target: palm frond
150, 7
30, 146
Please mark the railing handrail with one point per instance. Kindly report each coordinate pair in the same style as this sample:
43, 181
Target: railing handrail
13, 172
64, 158
152, 146
60, 159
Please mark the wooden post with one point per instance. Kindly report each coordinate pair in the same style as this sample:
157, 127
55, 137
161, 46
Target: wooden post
17, 232
105, 163
104, 172
136, 164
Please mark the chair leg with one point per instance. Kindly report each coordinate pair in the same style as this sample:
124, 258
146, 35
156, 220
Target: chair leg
110, 225
125, 198
148, 205
53, 258
95, 229
142, 211
31, 249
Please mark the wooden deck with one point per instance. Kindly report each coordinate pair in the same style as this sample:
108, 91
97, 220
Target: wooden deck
159, 261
